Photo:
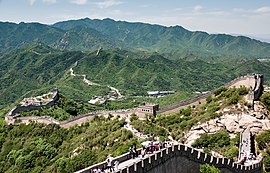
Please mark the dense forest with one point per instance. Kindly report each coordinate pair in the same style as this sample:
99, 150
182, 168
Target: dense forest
49, 148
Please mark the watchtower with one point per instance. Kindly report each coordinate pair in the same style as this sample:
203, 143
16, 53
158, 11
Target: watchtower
147, 109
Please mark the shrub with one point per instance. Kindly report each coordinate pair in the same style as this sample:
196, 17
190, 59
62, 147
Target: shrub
242, 90
186, 111
265, 99
234, 99
206, 168
232, 152
209, 99
219, 139
220, 90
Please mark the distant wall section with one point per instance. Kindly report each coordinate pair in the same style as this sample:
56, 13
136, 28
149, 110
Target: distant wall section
12, 113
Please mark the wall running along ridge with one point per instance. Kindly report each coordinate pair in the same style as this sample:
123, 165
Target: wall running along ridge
11, 117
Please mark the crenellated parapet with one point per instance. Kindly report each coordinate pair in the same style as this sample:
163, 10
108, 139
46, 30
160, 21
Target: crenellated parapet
177, 159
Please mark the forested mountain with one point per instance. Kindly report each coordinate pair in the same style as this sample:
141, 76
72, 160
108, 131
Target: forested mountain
37, 68
171, 39
87, 34
134, 57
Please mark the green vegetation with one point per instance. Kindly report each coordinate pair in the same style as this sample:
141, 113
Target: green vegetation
149, 127
206, 168
265, 99
40, 148
87, 34
166, 39
263, 141
36, 58
219, 142
25, 73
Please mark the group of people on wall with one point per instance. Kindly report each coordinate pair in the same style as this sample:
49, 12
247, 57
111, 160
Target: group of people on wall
148, 147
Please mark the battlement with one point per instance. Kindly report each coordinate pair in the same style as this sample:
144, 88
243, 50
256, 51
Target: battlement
178, 158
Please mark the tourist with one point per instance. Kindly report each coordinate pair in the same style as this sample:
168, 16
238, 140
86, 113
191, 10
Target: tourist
143, 152
109, 163
250, 156
135, 154
116, 164
98, 170
157, 147
131, 153
244, 159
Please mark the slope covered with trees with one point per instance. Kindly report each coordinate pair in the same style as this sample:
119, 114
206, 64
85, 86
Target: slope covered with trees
37, 68
40, 148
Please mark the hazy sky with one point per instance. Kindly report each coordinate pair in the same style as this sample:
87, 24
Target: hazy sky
247, 17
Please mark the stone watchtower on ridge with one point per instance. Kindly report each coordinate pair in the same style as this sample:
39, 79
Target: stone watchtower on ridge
147, 109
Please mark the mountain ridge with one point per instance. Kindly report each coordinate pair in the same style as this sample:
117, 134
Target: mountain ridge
89, 34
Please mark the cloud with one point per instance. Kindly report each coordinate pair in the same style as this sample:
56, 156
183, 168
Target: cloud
197, 8
49, 1
79, 2
263, 10
32, 2
109, 3
145, 6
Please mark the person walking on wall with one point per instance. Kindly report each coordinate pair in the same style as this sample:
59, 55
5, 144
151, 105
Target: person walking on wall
109, 163
143, 152
135, 151
116, 164
131, 153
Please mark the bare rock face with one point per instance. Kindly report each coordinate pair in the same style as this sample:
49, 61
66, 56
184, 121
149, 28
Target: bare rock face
233, 121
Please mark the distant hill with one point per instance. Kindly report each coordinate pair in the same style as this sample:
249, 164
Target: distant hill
36, 68
171, 39
88, 35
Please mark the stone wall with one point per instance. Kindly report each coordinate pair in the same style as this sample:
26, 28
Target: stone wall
183, 159
18, 109
256, 92
11, 117
178, 159
120, 159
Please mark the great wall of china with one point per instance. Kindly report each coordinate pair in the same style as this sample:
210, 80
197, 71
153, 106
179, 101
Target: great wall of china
173, 159
253, 81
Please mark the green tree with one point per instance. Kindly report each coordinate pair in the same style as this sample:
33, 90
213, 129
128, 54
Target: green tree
206, 168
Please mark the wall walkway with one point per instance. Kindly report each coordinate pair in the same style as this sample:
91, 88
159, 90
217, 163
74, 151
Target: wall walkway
177, 159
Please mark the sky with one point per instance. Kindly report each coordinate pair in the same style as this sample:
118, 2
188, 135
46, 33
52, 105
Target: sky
237, 17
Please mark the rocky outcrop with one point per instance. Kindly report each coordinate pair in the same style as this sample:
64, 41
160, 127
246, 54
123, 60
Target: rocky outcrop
233, 120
